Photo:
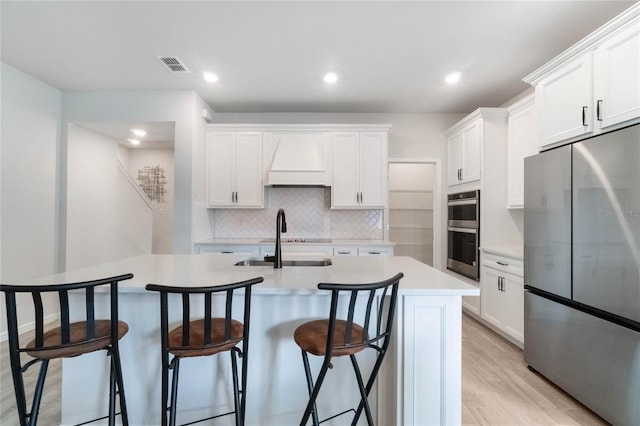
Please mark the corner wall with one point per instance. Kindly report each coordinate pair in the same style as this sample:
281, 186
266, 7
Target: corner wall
30, 134
181, 107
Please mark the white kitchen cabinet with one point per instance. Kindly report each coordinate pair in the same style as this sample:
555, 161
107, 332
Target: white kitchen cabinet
345, 251
592, 87
521, 142
248, 250
617, 78
375, 251
359, 170
565, 102
465, 145
502, 295
306, 250
234, 169
464, 148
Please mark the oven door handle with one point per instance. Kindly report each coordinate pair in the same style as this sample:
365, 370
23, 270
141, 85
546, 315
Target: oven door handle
464, 230
462, 202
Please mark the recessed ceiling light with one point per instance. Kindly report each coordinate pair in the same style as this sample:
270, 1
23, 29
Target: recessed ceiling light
138, 132
453, 77
210, 77
330, 78
134, 141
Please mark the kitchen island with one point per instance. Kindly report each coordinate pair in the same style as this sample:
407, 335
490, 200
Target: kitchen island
420, 382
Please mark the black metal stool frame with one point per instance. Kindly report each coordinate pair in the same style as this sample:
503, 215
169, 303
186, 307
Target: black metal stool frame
370, 342
116, 386
239, 389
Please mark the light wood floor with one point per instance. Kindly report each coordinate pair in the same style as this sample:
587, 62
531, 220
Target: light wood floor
497, 387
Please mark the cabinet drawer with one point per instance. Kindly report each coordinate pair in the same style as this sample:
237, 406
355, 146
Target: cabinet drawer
375, 251
345, 251
228, 249
298, 250
503, 263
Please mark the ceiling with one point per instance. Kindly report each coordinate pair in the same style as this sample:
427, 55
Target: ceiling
159, 134
390, 56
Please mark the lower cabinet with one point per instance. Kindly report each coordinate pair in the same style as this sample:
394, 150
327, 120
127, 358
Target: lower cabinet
298, 250
502, 295
288, 249
249, 250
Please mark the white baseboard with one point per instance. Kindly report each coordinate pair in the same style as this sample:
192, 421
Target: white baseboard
29, 326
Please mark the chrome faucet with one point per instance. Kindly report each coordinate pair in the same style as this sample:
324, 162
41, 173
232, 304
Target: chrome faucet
281, 226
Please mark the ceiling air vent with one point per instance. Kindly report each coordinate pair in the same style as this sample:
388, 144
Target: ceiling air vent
173, 63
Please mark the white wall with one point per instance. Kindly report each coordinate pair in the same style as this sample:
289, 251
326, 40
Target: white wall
106, 217
31, 113
184, 108
163, 215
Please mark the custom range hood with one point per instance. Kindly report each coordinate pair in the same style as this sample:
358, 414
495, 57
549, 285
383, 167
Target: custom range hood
297, 159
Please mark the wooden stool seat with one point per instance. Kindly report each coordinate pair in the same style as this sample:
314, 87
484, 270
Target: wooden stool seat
78, 342
312, 338
197, 346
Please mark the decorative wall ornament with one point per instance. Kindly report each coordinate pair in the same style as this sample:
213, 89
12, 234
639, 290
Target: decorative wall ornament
153, 181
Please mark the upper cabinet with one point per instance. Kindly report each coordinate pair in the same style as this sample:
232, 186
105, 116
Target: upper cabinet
464, 153
234, 169
521, 142
594, 86
359, 169
565, 102
617, 78
465, 144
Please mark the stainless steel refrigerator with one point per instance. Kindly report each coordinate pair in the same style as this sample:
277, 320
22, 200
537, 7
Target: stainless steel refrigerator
582, 271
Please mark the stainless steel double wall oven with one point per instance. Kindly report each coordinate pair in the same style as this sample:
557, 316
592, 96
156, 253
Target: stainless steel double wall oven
463, 231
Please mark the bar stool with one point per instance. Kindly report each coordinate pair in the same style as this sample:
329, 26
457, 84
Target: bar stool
203, 337
368, 327
67, 340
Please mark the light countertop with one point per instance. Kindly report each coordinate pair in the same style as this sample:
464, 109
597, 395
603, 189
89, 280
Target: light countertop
198, 270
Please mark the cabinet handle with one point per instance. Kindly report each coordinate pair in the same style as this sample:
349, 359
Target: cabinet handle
226, 252
502, 263
374, 252
599, 110
584, 116
499, 283
361, 197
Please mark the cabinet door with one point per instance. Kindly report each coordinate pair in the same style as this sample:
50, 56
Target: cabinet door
248, 171
492, 298
471, 151
522, 142
373, 169
454, 146
220, 168
565, 102
617, 78
513, 299
346, 152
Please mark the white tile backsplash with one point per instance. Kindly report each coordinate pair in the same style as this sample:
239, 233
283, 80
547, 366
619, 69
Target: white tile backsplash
308, 215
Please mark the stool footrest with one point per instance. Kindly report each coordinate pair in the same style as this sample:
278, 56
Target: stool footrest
208, 418
337, 415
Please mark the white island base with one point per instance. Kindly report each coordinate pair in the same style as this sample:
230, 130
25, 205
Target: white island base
419, 383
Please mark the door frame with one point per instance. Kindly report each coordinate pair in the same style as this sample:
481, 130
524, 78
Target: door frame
437, 203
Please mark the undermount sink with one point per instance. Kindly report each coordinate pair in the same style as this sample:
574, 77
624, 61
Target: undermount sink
309, 262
